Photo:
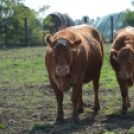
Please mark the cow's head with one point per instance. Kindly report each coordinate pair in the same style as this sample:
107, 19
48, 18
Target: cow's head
125, 59
62, 52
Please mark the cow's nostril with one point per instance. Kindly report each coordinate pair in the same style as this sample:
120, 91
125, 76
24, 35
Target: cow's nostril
59, 69
123, 74
62, 69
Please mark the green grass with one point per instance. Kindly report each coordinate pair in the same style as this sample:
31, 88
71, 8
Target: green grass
24, 67
2, 126
26, 101
108, 79
20, 68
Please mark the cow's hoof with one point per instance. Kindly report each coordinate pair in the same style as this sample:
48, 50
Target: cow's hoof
80, 110
76, 121
129, 105
59, 120
124, 112
123, 115
96, 109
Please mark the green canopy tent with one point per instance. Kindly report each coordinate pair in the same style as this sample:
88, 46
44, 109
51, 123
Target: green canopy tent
104, 24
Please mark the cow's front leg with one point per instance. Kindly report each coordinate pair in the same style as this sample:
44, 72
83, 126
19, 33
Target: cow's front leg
76, 99
128, 101
59, 98
124, 92
129, 84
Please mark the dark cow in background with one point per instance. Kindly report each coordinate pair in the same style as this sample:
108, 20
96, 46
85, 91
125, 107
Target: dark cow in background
122, 61
74, 57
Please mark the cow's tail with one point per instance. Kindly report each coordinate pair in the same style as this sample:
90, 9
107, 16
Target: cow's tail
102, 48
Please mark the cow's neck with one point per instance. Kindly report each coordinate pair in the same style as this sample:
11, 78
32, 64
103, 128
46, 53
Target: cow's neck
62, 82
65, 82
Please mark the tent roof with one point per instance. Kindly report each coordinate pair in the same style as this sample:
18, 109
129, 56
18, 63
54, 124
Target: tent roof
104, 24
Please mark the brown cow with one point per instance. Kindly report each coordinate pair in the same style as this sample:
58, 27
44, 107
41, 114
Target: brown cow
74, 57
122, 61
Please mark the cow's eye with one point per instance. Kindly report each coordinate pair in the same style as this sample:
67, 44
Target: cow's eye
131, 61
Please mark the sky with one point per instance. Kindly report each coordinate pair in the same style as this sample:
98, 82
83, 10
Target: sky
76, 9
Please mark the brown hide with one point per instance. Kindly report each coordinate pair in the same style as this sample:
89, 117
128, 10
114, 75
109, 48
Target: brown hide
122, 61
74, 56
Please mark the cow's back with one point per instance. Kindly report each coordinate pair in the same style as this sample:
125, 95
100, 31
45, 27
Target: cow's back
87, 31
93, 44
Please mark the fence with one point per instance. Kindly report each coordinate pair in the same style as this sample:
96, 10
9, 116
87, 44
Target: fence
29, 32
24, 33
109, 25
114, 27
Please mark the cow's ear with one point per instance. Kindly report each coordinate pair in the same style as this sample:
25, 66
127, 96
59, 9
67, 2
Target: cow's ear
75, 44
48, 40
78, 42
114, 54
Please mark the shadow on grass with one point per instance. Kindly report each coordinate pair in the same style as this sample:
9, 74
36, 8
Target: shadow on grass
119, 123
66, 127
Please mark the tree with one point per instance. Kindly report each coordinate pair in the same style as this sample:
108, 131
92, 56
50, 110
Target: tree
6, 9
35, 29
6, 12
132, 3
12, 22
128, 15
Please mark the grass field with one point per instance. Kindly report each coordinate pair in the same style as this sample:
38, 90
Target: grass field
28, 104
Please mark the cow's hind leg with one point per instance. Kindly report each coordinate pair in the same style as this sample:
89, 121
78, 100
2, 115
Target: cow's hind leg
80, 102
96, 92
59, 98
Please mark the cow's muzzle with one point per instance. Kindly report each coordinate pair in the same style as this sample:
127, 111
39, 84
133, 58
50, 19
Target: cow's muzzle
123, 75
62, 70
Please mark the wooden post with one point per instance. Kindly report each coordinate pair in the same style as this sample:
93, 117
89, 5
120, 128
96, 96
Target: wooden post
6, 34
56, 24
26, 38
111, 29
85, 19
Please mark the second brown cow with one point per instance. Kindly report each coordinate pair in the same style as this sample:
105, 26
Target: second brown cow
122, 61
74, 57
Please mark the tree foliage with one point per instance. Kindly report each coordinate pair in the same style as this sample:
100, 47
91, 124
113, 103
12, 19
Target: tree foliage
128, 17
132, 3
12, 22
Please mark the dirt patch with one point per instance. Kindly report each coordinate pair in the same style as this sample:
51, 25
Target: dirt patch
33, 111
